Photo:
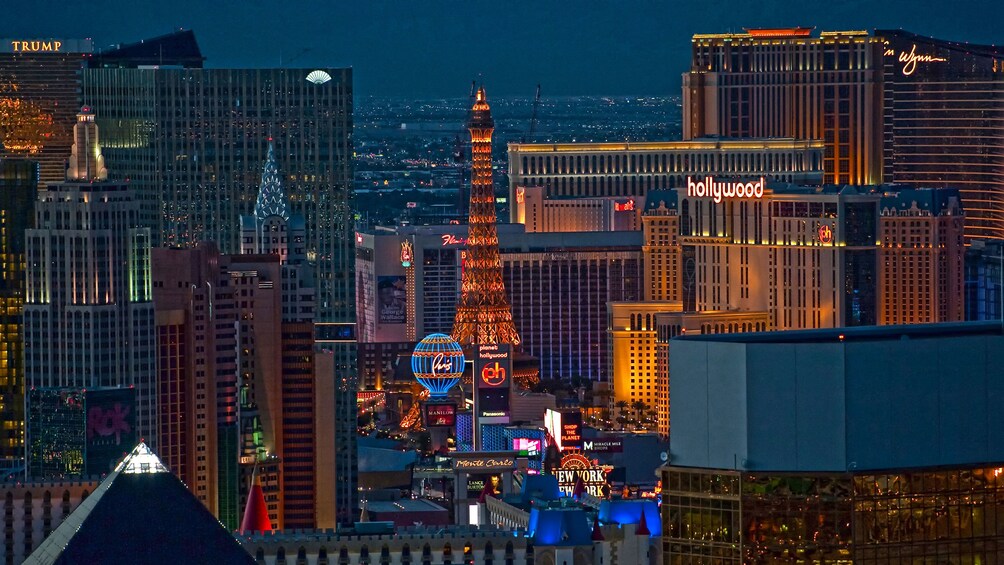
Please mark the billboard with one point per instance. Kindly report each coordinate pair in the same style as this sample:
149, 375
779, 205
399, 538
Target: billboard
603, 445
111, 427
565, 428
440, 415
527, 447
493, 380
392, 299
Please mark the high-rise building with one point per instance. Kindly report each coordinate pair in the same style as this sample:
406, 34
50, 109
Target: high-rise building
483, 312
39, 98
890, 106
18, 192
921, 258
631, 170
88, 312
192, 141
806, 255
197, 373
787, 83
274, 294
822, 446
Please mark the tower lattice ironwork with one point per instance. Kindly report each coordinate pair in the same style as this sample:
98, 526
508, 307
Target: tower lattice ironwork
483, 313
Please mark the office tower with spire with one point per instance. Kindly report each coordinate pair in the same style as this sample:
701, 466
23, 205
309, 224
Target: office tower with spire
484, 315
274, 290
88, 312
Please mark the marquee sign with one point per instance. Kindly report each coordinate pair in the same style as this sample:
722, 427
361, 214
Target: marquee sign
450, 239
575, 466
478, 462
717, 190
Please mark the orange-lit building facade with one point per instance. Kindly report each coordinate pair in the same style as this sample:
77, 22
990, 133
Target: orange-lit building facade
921, 270
633, 363
744, 85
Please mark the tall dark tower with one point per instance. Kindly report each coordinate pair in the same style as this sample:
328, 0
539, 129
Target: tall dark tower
483, 314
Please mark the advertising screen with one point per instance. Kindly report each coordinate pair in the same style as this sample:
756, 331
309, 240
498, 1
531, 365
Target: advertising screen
493, 380
440, 415
392, 297
111, 427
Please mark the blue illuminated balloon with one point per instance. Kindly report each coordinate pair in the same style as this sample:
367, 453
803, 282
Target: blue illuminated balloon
438, 363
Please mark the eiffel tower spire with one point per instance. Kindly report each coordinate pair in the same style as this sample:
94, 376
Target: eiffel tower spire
483, 313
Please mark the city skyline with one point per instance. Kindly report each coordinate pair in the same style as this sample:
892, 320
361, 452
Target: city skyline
607, 49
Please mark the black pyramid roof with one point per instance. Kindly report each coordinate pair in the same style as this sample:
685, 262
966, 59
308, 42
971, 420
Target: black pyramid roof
142, 514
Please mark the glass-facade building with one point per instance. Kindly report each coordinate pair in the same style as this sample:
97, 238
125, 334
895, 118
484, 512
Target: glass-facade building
927, 516
18, 191
193, 142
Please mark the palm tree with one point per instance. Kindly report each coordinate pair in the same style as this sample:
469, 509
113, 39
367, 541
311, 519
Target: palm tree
622, 406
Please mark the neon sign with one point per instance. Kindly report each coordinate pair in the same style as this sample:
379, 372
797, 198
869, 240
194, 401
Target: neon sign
624, 206
493, 375
520, 194
35, 46
825, 234
407, 253
911, 59
440, 364
710, 188
450, 239
485, 463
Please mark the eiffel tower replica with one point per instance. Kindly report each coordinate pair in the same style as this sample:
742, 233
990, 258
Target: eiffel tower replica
484, 315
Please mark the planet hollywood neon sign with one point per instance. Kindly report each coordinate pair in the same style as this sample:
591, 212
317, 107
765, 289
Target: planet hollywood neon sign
717, 190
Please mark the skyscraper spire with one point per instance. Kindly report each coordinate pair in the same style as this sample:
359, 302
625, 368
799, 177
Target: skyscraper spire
86, 162
271, 197
483, 313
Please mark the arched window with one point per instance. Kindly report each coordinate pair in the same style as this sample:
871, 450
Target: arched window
426, 555
322, 556
301, 556
489, 554
66, 503
280, 556
385, 555
259, 556
406, 555
447, 554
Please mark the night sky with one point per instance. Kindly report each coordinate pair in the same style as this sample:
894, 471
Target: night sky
433, 48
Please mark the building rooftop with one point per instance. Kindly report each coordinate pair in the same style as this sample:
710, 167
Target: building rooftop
176, 49
864, 333
697, 144
403, 505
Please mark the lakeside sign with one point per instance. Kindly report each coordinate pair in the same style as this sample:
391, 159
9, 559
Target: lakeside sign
708, 187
